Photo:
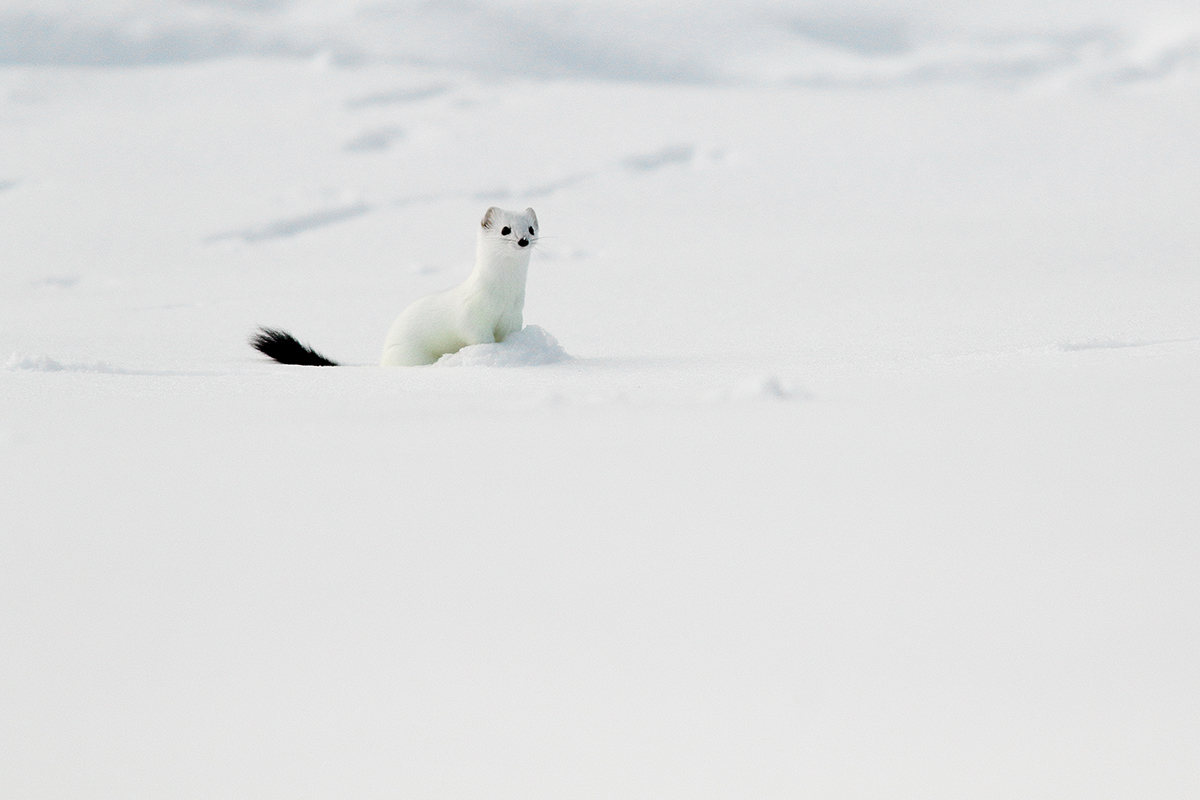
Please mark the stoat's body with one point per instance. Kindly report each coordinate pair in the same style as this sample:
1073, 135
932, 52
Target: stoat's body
485, 308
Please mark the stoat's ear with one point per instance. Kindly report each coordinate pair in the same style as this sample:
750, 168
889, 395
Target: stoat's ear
489, 217
532, 216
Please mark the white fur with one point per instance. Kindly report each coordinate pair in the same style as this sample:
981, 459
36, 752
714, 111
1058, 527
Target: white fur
485, 308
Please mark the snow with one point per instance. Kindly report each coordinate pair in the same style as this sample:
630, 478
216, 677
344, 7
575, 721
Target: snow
764, 387
529, 347
47, 364
866, 465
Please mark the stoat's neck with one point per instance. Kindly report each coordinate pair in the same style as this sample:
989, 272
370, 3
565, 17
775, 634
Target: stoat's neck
500, 271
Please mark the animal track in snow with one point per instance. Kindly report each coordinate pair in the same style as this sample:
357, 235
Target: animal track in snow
533, 192
668, 156
547, 189
398, 96
672, 155
382, 138
373, 141
291, 226
58, 281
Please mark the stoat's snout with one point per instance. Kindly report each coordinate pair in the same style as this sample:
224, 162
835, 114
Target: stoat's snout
523, 242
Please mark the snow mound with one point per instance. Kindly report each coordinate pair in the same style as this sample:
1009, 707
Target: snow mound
43, 363
529, 347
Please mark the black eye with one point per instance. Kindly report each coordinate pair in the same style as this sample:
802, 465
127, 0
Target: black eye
531, 232
505, 231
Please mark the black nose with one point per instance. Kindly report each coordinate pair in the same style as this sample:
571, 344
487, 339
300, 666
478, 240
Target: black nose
523, 242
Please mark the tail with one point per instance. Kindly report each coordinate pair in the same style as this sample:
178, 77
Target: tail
284, 348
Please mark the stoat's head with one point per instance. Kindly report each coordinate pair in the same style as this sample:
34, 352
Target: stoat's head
517, 229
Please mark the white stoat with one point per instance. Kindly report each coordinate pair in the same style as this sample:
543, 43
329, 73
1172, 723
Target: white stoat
486, 307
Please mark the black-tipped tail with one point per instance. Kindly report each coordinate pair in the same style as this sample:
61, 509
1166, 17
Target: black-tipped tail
284, 348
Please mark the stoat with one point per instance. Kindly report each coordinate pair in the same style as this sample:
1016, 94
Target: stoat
485, 308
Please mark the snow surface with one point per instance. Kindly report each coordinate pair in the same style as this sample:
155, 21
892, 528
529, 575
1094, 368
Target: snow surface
529, 347
873, 469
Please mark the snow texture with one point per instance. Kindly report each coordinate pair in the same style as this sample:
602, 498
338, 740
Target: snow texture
764, 387
872, 471
43, 363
